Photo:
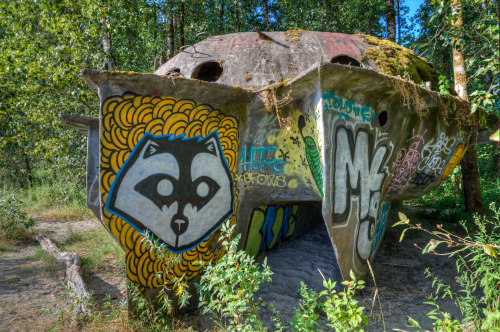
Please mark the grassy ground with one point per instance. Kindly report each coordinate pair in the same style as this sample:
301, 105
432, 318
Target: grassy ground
103, 260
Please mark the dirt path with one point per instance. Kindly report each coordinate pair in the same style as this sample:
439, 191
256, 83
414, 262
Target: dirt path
31, 284
31, 289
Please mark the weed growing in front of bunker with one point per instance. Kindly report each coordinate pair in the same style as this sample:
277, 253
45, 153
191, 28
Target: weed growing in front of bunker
341, 309
167, 278
477, 258
227, 291
227, 288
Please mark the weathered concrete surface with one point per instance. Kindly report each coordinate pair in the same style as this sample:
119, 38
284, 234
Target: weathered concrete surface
179, 156
249, 61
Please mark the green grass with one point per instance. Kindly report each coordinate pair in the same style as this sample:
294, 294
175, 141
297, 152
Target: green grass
52, 198
42, 255
98, 251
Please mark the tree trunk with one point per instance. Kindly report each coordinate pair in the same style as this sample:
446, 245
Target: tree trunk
28, 171
221, 18
155, 31
470, 168
106, 46
237, 15
445, 61
182, 40
329, 15
170, 36
399, 20
470, 180
266, 14
390, 16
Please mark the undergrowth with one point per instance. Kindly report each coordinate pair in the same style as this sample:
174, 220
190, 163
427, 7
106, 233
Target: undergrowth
14, 222
52, 198
477, 257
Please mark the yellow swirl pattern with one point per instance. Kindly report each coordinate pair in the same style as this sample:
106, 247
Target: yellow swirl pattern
125, 119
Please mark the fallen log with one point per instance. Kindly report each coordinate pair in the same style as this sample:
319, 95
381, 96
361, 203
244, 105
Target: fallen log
71, 260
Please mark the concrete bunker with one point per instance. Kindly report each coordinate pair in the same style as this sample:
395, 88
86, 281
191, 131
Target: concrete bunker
345, 60
329, 153
209, 71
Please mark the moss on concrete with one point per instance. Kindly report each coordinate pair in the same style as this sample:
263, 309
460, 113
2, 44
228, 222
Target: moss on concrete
238, 88
295, 34
282, 83
392, 59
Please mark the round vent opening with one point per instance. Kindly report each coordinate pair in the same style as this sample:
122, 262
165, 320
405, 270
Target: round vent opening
346, 60
208, 71
383, 117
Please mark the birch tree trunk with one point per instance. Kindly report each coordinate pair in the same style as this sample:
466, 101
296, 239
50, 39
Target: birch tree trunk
398, 12
470, 169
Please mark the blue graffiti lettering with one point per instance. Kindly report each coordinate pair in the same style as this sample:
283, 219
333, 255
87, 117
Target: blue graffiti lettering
269, 228
347, 109
257, 158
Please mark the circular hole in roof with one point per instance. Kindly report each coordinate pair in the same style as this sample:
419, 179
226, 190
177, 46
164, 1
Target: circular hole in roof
383, 117
209, 71
345, 60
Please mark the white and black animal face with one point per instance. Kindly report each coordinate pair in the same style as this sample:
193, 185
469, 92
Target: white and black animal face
180, 190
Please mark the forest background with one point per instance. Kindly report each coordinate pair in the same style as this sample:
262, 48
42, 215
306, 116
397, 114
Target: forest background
45, 43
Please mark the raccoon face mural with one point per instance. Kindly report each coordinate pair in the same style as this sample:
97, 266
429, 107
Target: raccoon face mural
180, 190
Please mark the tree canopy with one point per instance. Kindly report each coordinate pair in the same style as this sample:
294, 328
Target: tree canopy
45, 43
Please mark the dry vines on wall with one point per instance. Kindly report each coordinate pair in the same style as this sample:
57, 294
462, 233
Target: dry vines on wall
453, 110
275, 106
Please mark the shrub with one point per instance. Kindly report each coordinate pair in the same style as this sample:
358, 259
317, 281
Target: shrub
227, 288
14, 222
341, 309
478, 264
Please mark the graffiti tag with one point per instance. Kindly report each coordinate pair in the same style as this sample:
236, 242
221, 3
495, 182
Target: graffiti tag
347, 109
269, 227
357, 172
258, 159
380, 226
406, 162
267, 126
260, 179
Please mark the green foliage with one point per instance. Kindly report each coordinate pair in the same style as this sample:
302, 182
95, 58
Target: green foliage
341, 309
306, 317
477, 258
161, 309
479, 41
227, 288
14, 222
148, 314
347, 17
96, 250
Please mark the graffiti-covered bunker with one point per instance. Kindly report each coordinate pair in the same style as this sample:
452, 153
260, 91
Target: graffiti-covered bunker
272, 132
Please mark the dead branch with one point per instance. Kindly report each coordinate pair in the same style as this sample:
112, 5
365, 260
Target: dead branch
74, 271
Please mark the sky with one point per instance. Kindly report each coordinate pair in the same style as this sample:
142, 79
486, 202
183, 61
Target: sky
413, 5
